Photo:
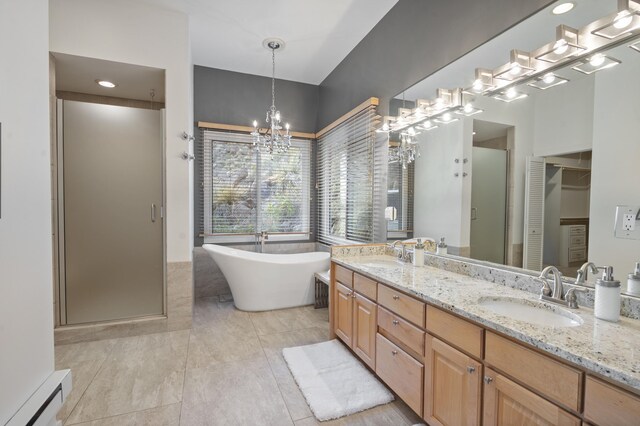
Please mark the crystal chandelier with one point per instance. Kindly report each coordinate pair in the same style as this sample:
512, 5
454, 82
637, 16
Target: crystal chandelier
407, 150
272, 139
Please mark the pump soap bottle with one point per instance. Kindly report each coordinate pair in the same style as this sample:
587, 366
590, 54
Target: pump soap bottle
418, 254
442, 247
633, 282
607, 306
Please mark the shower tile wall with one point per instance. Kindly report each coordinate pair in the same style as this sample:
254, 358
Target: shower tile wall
208, 279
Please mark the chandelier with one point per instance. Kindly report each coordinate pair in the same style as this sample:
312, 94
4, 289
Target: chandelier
407, 150
272, 139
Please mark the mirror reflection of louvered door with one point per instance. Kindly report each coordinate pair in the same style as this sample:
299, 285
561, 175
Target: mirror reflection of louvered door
534, 214
112, 183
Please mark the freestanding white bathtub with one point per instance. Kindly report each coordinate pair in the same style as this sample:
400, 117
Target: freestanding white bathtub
264, 281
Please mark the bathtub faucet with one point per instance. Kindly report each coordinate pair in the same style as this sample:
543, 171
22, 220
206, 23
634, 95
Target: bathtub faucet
261, 237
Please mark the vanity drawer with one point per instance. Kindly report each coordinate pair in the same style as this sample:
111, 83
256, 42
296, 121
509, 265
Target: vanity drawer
578, 230
577, 254
403, 305
401, 372
344, 275
605, 404
456, 331
365, 286
545, 375
577, 241
404, 331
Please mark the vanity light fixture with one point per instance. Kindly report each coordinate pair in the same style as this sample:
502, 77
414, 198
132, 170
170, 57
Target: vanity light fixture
483, 82
520, 65
595, 63
625, 21
407, 150
548, 80
510, 95
106, 83
447, 98
428, 125
445, 118
386, 124
468, 109
566, 45
563, 8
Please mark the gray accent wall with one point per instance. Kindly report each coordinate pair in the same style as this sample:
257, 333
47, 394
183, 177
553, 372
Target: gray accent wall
229, 97
414, 40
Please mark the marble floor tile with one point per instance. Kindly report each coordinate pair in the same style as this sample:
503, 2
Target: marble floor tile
282, 320
167, 415
383, 415
210, 347
211, 314
234, 393
142, 372
84, 360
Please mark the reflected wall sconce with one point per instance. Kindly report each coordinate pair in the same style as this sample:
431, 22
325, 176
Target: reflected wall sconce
566, 45
483, 81
625, 21
510, 95
446, 98
520, 65
428, 125
595, 63
445, 118
547, 81
467, 109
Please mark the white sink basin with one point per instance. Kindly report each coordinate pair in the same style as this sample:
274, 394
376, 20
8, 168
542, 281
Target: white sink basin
533, 312
382, 264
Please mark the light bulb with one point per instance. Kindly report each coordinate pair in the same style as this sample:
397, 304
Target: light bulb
477, 85
411, 131
596, 60
446, 116
560, 47
468, 108
439, 103
105, 83
277, 115
515, 69
511, 93
255, 123
286, 126
427, 124
385, 127
622, 20
549, 78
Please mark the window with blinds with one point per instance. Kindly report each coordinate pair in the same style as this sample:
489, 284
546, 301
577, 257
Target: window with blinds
245, 192
400, 195
350, 172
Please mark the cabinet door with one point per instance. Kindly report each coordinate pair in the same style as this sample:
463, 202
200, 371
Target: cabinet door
507, 403
364, 329
451, 386
344, 314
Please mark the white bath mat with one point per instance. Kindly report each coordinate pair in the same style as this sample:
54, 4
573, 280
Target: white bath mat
333, 381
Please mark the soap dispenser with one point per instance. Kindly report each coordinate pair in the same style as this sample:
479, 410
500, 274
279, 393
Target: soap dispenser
607, 306
418, 253
442, 247
633, 282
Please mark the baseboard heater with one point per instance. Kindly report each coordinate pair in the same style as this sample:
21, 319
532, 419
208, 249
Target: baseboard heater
43, 406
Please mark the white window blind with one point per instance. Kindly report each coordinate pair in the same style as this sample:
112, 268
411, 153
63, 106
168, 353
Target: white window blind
350, 171
246, 192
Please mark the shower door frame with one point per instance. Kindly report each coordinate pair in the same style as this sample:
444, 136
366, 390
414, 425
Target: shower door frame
59, 238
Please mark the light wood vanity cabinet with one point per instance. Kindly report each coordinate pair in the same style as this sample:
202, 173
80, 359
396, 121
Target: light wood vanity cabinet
452, 385
507, 403
452, 371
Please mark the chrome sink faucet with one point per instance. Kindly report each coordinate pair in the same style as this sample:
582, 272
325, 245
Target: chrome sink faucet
581, 278
556, 294
402, 255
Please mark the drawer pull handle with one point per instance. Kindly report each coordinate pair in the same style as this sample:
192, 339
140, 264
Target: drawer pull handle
395, 322
488, 379
396, 297
471, 369
394, 353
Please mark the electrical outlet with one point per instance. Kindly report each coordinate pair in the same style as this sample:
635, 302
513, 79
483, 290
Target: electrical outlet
627, 223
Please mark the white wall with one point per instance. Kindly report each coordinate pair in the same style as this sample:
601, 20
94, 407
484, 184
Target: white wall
616, 163
26, 302
141, 34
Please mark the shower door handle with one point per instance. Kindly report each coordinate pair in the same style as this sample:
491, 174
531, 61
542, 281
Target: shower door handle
153, 212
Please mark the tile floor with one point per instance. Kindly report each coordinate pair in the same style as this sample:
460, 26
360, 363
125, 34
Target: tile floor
227, 370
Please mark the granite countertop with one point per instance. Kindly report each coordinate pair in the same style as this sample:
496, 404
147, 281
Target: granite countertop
609, 349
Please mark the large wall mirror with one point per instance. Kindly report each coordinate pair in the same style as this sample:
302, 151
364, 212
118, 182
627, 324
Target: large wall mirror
527, 163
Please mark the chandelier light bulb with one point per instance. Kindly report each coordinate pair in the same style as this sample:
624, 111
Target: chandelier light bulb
255, 123
468, 108
596, 60
286, 126
278, 116
511, 93
477, 85
560, 47
446, 116
549, 78
385, 127
622, 20
427, 124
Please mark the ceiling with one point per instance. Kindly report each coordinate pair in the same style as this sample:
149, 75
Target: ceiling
318, 34
79, 74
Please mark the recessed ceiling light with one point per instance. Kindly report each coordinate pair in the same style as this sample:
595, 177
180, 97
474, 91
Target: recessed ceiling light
106, 83
563, 8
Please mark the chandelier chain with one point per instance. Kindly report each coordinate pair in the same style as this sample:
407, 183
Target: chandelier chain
273, 78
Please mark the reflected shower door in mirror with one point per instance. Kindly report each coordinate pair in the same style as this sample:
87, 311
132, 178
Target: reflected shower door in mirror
579, 122
400, 186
